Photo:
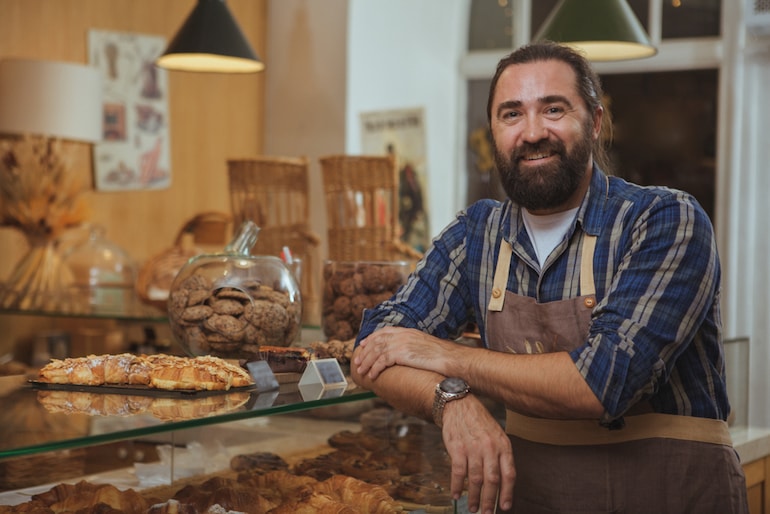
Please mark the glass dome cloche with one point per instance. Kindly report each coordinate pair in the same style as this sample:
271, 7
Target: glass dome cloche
228, 304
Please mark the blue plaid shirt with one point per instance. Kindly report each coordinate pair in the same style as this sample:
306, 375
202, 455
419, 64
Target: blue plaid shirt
656, 329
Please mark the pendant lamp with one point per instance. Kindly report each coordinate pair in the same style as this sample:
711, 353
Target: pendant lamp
603, 30
210, 41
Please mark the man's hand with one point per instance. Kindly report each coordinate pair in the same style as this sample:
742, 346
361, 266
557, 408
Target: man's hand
481, 451
392, 346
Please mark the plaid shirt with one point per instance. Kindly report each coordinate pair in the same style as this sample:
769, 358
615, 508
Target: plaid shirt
656, 329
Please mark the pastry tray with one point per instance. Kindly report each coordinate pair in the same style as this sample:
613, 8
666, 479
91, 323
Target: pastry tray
141, 390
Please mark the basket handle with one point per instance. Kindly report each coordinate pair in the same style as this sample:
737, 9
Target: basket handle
204, 217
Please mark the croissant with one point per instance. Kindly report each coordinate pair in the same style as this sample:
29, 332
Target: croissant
159, 371
85, 496
369, 498
316, 503
225, 493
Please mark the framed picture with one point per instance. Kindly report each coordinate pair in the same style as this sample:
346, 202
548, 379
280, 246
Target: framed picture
401, 132
135, 150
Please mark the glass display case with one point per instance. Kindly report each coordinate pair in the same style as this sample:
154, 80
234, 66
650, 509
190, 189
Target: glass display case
158, 444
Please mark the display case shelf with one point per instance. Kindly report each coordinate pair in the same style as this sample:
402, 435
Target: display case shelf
135, 313
19, 400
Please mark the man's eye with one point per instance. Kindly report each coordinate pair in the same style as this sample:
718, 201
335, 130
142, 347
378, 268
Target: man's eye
554, 112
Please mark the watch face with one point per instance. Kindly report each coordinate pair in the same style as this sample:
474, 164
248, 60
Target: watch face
453, 385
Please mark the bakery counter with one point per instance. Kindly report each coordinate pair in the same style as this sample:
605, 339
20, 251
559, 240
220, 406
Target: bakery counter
751, 443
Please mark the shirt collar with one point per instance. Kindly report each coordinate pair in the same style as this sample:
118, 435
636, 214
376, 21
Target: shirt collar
589, 215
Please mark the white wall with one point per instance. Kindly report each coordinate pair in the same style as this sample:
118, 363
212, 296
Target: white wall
405, 54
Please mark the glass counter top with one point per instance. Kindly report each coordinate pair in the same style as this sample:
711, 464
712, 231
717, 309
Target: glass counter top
35, 420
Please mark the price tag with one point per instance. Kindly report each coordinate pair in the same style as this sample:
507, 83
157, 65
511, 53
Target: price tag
263, 376
326, 372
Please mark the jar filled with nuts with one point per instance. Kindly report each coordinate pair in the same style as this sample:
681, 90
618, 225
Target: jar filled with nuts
351, 287
228, 304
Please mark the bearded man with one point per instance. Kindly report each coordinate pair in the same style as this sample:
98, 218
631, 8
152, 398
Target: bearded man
597, 304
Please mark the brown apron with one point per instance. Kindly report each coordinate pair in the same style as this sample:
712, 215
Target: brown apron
655, 463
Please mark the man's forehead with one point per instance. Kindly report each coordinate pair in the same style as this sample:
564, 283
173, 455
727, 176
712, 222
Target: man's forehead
544, 78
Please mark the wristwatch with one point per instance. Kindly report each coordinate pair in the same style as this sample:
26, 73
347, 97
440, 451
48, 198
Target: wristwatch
449, 389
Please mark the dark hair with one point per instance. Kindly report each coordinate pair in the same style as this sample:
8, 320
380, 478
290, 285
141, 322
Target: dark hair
588, 85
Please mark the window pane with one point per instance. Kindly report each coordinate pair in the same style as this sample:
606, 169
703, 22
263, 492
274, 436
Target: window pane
665, 128
691, 18
490, 26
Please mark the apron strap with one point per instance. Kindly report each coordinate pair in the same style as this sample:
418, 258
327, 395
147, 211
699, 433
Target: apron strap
642, 426
587, 287
500, 280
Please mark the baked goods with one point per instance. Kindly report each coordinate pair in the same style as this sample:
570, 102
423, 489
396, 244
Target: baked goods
231, 321
199, 373
334, 349
282, 359
403, 455
352, 491
87, 497
159, 371
351, 287
259, 461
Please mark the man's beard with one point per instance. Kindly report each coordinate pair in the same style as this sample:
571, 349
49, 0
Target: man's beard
544, 186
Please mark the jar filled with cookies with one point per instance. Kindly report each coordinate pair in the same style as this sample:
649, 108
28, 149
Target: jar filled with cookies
351, 287
230, 303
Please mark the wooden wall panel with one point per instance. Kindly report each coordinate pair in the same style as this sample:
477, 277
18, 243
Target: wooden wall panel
213, 116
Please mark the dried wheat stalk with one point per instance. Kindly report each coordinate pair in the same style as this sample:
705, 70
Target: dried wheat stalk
40, 197
37, 193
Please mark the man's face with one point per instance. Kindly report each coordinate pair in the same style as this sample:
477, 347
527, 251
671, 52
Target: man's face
543, 135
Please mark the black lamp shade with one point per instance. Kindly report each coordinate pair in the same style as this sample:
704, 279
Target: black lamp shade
604, 30
210, 41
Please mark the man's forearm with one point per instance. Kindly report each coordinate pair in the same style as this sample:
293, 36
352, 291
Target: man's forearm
545, 385
408, 390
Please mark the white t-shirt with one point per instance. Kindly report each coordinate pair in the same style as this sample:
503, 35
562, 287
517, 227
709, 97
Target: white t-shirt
547, 231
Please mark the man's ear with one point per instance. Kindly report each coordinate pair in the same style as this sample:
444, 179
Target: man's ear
598, 116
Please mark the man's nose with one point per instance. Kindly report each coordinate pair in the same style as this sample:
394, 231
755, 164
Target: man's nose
534, 129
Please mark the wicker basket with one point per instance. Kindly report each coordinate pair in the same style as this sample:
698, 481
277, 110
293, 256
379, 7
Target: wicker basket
361, 195
208, 229
273, 193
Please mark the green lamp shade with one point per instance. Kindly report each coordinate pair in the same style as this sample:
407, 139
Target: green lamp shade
603, 30
210, 41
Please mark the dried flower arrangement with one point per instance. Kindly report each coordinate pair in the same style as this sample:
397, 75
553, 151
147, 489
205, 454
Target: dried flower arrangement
39, 196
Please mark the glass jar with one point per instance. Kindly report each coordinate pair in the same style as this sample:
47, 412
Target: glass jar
350, 287
103, 276
227, 304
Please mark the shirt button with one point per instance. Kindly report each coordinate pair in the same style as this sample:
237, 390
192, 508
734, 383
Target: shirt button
589, 302
496, 293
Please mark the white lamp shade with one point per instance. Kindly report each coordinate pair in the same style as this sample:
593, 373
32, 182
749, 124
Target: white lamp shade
48, 98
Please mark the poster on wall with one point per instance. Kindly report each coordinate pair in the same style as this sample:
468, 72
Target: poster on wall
135, 149
401, 132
